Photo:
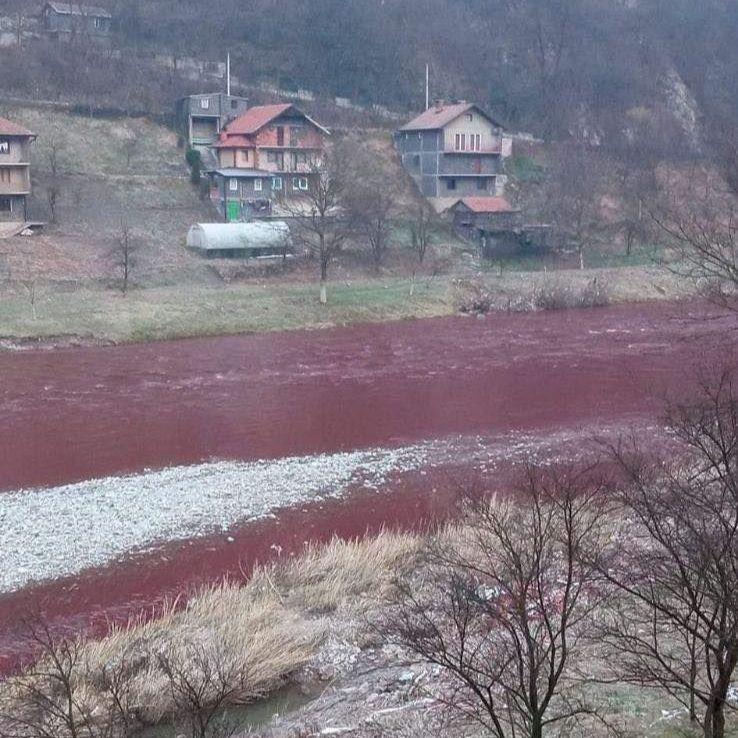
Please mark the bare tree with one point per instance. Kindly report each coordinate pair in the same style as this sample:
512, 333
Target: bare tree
572, 194
124, 254
321, 224
50, 699
202, 682
130, 145
372, 202
506, 610
704, 234
52, 155
421, 229
675, 559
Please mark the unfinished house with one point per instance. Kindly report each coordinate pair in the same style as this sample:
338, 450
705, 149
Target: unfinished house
201, 118
452, 151
15, 170
66, 21
265, 155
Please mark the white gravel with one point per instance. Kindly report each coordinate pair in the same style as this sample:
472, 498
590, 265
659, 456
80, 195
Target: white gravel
53, 532
60, 531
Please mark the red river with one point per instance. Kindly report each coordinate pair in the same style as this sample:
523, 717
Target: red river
74, 414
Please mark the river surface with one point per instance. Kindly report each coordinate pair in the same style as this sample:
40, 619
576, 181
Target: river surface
131, 472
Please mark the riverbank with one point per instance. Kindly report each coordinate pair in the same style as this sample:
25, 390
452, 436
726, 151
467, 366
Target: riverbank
46, 316
305, 626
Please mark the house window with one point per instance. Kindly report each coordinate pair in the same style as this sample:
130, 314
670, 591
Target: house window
257, 185
205, 103
294, 136
234, 104
277, 184
299, 183
470, 117
98, 23
460, 141
4, 146
280, 135
451, 184
272, 157
416, 160
6, 205
233, 185
481, 183
475, 142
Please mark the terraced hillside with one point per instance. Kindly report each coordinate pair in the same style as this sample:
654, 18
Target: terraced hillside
108, 171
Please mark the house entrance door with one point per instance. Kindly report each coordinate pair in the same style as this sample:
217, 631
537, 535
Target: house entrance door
234, 212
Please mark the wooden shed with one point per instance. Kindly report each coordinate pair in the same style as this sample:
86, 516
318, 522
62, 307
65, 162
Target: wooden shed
258, 239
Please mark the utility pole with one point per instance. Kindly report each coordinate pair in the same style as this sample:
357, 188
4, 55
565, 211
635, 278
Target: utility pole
228, 74
427, 86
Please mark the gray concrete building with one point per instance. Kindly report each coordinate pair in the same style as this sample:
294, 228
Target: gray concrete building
201, 118
454, 150
15, 170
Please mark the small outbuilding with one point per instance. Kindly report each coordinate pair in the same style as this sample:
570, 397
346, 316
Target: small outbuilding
257, 239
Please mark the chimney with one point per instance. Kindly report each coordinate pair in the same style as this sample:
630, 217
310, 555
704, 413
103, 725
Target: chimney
439, 104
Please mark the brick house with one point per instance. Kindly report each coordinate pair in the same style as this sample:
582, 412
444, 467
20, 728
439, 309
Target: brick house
454, 150
264, 155
15, 170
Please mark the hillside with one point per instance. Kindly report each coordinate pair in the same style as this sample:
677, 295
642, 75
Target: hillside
622, 71
109, 171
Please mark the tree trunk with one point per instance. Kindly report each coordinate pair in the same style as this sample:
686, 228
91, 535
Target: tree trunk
323, 281
581, 257
715, 719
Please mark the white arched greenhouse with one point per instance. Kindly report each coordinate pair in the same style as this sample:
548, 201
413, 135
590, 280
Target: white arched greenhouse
258, 239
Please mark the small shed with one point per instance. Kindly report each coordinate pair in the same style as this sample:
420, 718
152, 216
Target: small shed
258, 239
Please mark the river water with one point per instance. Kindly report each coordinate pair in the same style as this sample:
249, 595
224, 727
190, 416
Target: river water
385, 412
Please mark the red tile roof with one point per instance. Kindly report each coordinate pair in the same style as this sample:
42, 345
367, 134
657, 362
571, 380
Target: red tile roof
8, 128
237, 141
256, 118
487, 204
439, 116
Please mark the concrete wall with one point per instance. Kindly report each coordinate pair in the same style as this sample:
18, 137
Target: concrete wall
466, 186
470, 164
489, 136
66, 23
17, 208
19, 150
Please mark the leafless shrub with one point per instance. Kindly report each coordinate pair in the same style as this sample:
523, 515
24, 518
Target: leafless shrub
53, 700
675, 560
556, 295
506, 610
202, 680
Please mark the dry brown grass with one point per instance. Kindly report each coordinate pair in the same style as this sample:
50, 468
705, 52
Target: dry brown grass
326, 576
260, 632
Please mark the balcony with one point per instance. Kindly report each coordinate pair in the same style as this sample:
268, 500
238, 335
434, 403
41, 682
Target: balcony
15, 179
496, 150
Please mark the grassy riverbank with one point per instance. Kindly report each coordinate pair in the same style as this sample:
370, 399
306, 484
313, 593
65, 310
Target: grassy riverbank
105, 316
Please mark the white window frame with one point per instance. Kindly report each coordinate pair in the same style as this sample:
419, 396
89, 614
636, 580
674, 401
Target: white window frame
5, 146
300, 183
258, 185
233, 184
205, 103
277, 184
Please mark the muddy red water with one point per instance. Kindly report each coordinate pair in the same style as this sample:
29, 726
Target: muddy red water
73, 414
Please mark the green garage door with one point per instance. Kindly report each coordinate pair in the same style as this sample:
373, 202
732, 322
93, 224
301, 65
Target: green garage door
234, 212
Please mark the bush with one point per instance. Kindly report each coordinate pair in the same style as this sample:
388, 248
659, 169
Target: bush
558, 296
